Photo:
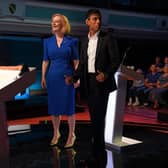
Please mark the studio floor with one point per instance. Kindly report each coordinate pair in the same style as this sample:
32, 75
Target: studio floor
32, 150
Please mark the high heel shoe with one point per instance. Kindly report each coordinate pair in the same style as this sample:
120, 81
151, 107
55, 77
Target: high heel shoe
72, 142
53, 143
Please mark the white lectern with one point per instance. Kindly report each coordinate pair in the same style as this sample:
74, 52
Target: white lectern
115, 110
10, 84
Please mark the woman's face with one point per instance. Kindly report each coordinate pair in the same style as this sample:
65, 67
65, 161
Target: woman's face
57, 24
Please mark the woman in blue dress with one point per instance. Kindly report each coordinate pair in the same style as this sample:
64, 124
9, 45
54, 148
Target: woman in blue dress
60, 59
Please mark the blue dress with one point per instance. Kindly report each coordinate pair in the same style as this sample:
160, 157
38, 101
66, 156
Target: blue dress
61, 97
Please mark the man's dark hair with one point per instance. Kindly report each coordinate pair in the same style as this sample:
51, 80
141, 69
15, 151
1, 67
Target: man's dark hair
93, 11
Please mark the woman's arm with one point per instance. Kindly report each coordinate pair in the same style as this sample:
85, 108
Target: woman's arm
44, 68
44, 71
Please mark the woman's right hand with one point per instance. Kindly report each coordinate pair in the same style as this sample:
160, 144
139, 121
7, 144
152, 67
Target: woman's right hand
68, 79
43, 83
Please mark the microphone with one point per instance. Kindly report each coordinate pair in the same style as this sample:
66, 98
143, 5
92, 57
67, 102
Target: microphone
125, 54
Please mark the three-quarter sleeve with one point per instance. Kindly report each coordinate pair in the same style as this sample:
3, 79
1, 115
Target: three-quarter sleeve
45, 50
75, 49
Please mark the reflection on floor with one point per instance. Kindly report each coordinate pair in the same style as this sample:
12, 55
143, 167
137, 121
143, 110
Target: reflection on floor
32, 150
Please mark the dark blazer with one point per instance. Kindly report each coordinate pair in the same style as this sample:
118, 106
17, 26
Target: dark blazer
107, 60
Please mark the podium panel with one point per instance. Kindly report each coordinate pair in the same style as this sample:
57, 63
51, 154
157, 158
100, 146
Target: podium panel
115, 110
4, 142
10, 84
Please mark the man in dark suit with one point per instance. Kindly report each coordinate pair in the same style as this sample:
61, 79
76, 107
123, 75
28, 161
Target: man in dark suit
99, 60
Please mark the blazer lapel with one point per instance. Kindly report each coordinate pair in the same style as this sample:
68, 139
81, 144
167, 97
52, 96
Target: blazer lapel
99, 44
85, 47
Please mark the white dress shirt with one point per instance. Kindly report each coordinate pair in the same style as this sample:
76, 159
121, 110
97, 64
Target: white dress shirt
91, 51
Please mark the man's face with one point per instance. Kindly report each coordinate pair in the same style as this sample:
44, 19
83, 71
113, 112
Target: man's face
94, 22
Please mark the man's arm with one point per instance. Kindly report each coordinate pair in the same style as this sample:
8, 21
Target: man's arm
114, 56
80, 68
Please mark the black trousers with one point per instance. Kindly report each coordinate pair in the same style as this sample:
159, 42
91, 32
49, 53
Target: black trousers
97, 102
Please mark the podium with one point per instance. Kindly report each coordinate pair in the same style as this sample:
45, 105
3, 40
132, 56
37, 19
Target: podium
115, 110
10, 84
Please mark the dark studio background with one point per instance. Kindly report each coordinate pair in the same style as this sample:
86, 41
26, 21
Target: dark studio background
17, 48
144, 6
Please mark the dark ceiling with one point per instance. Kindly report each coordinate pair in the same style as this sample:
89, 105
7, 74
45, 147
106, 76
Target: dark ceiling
142, 6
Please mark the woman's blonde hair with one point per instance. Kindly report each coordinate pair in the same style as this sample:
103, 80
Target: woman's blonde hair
66, 24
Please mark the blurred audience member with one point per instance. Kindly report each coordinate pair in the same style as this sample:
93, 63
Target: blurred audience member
150, 83
134, 89
166, 61
161, 87
158, 64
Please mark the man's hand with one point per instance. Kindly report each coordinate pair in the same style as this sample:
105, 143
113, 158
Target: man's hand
100, 77
77, 84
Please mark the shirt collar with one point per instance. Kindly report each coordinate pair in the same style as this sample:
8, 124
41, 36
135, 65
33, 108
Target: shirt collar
94, 36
